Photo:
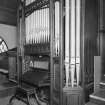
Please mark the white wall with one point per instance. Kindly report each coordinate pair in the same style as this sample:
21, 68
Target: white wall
9, 34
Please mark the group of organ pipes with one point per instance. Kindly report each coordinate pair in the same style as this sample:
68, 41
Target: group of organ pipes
37, 27
37, 32
72, 42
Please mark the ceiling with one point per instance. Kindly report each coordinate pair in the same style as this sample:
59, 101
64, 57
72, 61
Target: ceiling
8, 12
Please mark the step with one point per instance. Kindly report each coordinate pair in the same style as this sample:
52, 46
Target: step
102, 84
98, 97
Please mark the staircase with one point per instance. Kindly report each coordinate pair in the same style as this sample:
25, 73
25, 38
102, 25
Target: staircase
98, 97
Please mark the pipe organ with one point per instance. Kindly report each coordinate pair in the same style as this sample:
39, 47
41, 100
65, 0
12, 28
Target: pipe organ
45, 33
39, 42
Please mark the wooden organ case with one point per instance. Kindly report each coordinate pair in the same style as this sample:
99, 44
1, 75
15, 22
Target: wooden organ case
40, 46
45, 40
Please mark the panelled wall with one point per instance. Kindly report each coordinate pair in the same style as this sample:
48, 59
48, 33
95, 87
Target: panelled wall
102, 37
90, 43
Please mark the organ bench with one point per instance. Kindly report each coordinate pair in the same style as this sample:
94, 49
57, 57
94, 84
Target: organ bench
32, 81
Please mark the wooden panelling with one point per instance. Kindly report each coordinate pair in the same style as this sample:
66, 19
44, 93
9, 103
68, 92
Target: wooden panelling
7, 17
90, 39
12, 4
8, 12
73, 96
102, 39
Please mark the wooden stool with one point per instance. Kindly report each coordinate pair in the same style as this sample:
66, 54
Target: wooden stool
23, 93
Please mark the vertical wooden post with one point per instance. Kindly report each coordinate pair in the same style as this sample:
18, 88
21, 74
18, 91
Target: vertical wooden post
18, 41
51, 11
12, 68
21, 38
61, 41
82, 74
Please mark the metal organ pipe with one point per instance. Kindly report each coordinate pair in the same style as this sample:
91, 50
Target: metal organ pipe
78, 40
72, 17
32, 27
26, 22
67, 34
48, 25
40, 25
73, 43
41, 22
44, 25
57, 28
38, 37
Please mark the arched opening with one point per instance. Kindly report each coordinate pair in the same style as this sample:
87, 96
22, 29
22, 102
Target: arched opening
3, 45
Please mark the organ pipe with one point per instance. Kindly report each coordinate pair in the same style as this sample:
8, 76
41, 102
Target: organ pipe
67, 34
72, 42
78, 40
57, 28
